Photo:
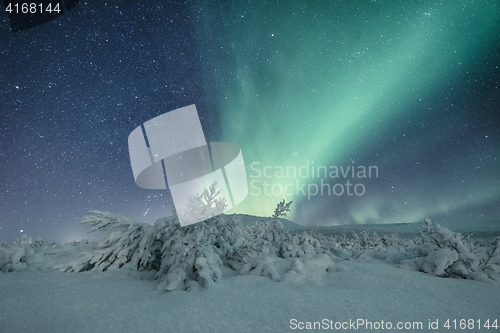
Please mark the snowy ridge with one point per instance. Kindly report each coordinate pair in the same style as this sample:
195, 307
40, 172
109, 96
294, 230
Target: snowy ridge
477, 229
250, 220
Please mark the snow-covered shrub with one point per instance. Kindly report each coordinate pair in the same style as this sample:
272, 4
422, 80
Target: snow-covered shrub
365, 245
269, 249
5, 256
21, 254
445, 253
391, 240
256, 230
11, 256
310, 269
299, 246
126, 243
490, 259
318, 234
260, 249
272, 237
196, 252
345, 246
274, 232
493, 253
178, 254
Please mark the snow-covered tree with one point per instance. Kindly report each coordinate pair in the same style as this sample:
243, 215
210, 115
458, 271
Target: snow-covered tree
490, 259
178, 254
302, 245
204, 205
194, 254
181, 256
269, 248
445, 253
11, 257
281, 209
127, 243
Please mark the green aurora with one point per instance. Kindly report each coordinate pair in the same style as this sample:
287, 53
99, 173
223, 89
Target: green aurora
338, 83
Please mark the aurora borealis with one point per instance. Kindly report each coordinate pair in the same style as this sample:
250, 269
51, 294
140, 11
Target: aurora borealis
410, 87
379, 83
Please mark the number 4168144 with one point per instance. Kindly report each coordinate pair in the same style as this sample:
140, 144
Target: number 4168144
470, 324
32, 8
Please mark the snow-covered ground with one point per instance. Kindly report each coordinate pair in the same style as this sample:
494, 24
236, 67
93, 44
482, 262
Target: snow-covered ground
111, 302
359, 290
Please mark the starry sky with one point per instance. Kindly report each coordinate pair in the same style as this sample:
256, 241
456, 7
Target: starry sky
411, 87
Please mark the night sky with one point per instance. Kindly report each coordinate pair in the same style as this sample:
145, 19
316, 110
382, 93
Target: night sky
411, 87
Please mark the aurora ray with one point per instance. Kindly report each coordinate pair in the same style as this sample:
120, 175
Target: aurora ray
333, 84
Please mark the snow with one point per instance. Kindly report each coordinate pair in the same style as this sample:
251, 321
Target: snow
34, 301
308, 286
